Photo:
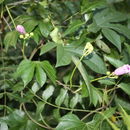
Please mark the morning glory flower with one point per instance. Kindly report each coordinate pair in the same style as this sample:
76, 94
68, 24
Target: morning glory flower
21, 29
125, 69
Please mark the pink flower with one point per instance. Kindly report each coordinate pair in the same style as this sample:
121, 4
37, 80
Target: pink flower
20, 29
125, 69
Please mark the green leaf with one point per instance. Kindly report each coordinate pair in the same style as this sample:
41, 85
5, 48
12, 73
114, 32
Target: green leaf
113, 37
119, 28
40, 75
88, 5
97, 96
40, 107
30, 24
60, 99
107, 16
26, 71
50, 71
103, 46
45, 28
63, 57
71, 122
125, 87
74, 100
47, 47
115, 62
35, 87
96, 64
106, 81
11, 39
48, 92
73, 27
56, 37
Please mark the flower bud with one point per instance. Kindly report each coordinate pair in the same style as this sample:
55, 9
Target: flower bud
88, 49
21, 36
26, 35
20, 29
125, 69
31, 34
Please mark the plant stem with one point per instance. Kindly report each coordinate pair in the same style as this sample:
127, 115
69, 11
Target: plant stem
71, 77
59, 107
10, 16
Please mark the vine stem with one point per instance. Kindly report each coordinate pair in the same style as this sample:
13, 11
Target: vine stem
10, 15
71, 77
59, 107
33, 120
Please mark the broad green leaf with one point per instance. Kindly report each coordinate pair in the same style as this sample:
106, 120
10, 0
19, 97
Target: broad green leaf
16, 118
113, 37
115, 62
40, 75
106, 81
48, 92
88, 5
56, 37
119, 28
61, 97
96, 64
73, 27
37, 35
35, 87
63, 57
26, 71
125, 87
93, 27
45, 28
56, 114
85, 76
66, 100
47, 47
40, 107
50, 71
11, 39
103, 46
30, 24
71, 122
97, 96
74, 100
3, 126
107, 16
28, 74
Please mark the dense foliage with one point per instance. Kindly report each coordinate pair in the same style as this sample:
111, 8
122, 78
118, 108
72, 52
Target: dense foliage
59, 74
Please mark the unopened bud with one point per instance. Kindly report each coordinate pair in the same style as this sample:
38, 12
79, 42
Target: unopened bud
31, 34
21, 36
